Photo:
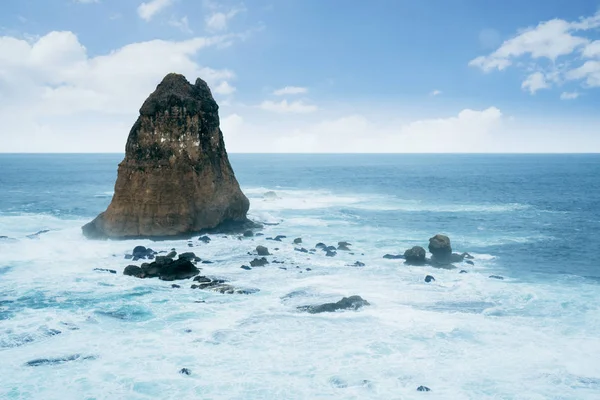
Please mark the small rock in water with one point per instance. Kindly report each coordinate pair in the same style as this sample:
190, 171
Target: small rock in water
393, 256
128, 256
429, 278
133, 270
189, 256
301, 250
262, 251
358, 264
297, 240
259, 262
320, 246
248, 233
279, 237
207, 262
497, 277
190, 245
247, 268
204, 239
343, 246
172, 254
112, 271
423, 389
470, 262
260, 234
330, 253
174, 286
415, 256
309, 269
462, 271
201, 279
185, 371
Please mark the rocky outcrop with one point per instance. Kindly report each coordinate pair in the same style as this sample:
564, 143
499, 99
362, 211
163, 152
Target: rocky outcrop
440, 247
415, 256
176, 178
164, 268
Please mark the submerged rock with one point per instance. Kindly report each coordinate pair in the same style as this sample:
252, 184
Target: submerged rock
393, 256
470, 262
301, 250
247, 268
176, 178
423, 389
55, 361
185, 371
358, 264
330, 253
415, 256
297, 240
220, 286
112, 271
497, 277
429, 278
347, 303
37, 234
248, 233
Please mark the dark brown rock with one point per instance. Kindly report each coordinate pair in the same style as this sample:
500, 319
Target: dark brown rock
415, 256
176, 178
440, 247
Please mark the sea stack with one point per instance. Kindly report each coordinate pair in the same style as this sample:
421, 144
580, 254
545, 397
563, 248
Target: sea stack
176, 178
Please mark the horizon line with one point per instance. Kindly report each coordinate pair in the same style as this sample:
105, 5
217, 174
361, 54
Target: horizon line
325, 154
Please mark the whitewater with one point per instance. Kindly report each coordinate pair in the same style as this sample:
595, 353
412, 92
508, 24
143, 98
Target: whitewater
533, 335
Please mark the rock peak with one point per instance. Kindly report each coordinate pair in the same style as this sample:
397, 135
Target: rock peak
176, 177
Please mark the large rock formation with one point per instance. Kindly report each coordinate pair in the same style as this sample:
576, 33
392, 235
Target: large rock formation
176, 177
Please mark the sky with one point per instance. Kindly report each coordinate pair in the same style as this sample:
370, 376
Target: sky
308, 76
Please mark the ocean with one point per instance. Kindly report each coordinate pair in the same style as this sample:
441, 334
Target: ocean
68, 331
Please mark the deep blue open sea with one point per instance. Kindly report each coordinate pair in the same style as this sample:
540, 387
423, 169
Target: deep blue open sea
532, 219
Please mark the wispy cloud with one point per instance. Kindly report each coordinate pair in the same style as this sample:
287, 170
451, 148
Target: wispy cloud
218, 21
148, 10
553, 48
435, 92
182, 23
290, 90
569, 95
296, 107
224, 88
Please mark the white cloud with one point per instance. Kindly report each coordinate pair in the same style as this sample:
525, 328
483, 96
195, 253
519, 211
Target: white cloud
589, 72
592, 50
51, 86
148, 10
436, 93
290, 90
218, 21
469, 130
569, 95
535, 82
224, 88
297, 107
182, 24
544, 45
87, 1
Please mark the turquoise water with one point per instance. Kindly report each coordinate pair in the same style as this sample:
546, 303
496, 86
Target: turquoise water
529, 218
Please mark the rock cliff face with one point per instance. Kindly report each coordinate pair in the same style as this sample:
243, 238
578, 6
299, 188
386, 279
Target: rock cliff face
176, 177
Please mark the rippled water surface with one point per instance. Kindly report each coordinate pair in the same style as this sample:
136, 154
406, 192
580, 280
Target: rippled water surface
69, 332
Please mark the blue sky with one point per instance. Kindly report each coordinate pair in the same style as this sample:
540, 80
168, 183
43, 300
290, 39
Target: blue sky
379, 76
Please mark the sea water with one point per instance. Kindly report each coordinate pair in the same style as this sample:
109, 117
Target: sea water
532, 219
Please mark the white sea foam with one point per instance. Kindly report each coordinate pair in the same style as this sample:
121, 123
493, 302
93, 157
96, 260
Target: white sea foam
465, 336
